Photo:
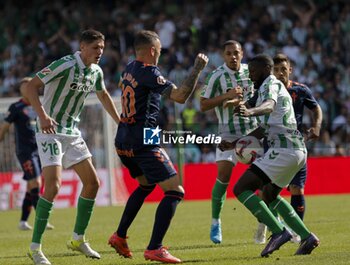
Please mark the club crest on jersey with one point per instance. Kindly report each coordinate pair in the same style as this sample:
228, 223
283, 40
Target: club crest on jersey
45, 71
161, 80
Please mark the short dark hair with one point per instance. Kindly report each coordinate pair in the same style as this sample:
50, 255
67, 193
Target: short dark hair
280, 58
90, 35
145, 37
262, 59
231, 42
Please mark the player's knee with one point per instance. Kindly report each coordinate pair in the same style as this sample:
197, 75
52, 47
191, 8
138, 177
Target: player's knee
296, 190
179, 195
52, 190
34, 183
94, 184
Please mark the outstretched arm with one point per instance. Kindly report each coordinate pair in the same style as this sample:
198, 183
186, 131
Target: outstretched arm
264, 108
182, 93
232, 96
108, 104
226, 145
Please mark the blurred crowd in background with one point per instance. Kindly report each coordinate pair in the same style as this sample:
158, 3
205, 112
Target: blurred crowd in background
315, 35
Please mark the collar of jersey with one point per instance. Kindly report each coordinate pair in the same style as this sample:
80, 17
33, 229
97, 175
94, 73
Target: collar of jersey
25, 102
230, 71
79, 60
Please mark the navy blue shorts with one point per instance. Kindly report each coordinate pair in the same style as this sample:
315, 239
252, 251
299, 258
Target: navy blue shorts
152, 162
300, 177
31, 165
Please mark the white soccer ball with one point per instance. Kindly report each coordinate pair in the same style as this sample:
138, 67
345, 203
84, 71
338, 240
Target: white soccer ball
247, 149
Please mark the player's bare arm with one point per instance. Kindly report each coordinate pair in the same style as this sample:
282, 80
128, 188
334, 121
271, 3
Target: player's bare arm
258, 133
4, 129
182, 93
31, 92
234, 94
108, 104
265, 108
314, 131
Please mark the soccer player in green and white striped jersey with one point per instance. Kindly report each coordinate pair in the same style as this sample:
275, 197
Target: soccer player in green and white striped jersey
277, 167
67, 82
219, 89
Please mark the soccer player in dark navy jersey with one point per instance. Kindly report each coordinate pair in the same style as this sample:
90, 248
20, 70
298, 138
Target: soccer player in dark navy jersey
23, 116
142, 88
301, 97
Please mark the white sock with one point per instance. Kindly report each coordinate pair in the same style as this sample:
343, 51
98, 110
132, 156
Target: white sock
35, 246
215, 221
78, 237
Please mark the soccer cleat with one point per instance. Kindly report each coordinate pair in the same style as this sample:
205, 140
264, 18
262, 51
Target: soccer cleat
215, 233
49, 226
38, 257
24, 226
161, 254
260, 235
276, 241
83, 247
308, 245
120, 245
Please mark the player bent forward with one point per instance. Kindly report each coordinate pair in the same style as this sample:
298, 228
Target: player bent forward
276, 168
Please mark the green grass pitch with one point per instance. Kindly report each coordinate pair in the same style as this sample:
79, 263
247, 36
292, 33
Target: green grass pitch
188, 236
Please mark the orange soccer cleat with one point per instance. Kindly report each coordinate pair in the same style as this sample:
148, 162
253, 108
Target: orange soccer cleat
120, 245
161, 254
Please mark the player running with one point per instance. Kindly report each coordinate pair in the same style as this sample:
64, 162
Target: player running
143, 86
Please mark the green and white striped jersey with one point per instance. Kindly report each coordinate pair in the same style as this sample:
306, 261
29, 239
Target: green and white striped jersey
280, 125
217, 83
67, 84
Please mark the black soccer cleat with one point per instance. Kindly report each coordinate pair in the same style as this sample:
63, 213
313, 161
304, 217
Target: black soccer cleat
308, 245
276, 241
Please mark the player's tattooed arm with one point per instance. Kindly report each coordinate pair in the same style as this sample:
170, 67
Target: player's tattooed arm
182, 93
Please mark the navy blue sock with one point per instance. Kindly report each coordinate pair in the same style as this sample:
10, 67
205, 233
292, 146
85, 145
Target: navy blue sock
165, 212
26, 207
132, 207
34, 194
298, 203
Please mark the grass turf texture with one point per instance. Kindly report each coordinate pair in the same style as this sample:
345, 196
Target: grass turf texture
188, 236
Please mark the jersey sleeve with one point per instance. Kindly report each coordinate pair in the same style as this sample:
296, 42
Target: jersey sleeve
270, 91
309, 101
211, 87
156, 82
11, 114
55, 70
100, 83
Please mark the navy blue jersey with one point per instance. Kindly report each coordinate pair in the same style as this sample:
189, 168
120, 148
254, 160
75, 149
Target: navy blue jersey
23, 117
142, 87
301, 96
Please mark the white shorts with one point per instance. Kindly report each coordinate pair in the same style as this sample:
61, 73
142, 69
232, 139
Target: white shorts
61, 150
281, 164
226, 156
